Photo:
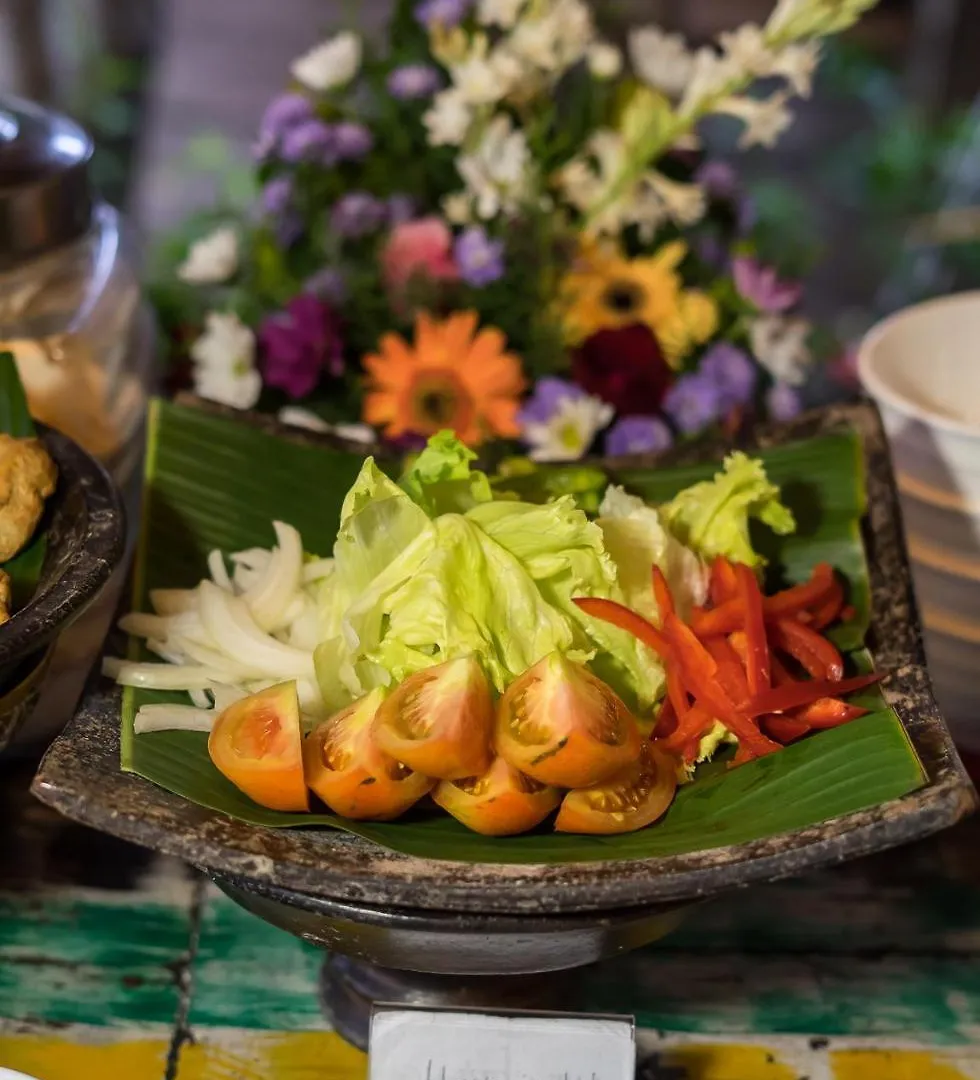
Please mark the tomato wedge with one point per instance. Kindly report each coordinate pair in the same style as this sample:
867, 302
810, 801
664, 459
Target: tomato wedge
561, 725
351, 775
439, 721
631, 800
257, 744
501, 802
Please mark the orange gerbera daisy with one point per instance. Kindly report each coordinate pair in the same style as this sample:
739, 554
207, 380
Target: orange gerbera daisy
453, 376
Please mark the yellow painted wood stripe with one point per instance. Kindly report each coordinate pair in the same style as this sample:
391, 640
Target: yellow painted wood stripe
85, 1055
222, 1054
88, 1053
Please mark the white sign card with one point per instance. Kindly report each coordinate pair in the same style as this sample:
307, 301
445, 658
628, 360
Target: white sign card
446, 1044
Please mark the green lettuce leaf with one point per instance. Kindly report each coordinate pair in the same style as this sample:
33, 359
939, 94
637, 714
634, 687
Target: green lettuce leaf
637, 540
566, 556
440, 479
712, 518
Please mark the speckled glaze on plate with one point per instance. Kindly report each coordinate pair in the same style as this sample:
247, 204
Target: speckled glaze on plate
80, 776
86, 529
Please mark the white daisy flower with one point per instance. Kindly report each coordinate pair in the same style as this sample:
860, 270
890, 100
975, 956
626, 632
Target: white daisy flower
212, 259
332, 63
570, 430
224, 362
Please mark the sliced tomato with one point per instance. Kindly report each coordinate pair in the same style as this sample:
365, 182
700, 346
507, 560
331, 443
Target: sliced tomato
561, 725
257, 743
631, 800
351, 775
439, 721
501, 802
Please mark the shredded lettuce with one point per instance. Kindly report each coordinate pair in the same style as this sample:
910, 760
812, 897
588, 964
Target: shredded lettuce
712, 518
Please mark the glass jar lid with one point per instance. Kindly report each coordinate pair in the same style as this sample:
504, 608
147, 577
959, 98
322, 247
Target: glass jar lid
45, 194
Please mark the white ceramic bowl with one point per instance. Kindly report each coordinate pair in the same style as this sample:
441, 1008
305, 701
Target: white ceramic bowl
922, 367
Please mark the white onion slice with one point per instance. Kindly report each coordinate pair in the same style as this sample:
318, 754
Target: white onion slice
270, 597
317, 569
218, 571
173, 718
225, 696
141, 625
252, 558
228, 620
199, 699
173, 601
158, 676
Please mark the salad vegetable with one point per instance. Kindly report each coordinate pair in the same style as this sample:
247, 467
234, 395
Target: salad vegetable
503, 656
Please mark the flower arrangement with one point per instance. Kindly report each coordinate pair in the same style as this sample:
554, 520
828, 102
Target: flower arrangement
505, 226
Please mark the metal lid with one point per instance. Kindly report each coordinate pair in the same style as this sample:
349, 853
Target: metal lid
45, 196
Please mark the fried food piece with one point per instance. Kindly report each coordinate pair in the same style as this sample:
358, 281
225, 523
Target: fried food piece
4, 597
27, 478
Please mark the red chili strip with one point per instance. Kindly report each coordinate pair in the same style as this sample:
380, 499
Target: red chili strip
785, 729
800, 597
750, 597
701, 678
721, 586
794, 695
827, 611
829, 712
662, 594
617, 615
819, 657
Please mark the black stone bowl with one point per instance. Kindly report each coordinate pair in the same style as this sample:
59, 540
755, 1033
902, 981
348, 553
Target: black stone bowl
86, 530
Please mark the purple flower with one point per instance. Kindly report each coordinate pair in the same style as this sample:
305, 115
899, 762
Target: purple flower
327, 284
760, 286
480, 259
351, 141
732, 372
413, 81
282, 114
276, 196
401, 208
718, 178
693, 402
444, 13
298, 344
638, 435
309, 140
546, 399
357, 214
783, 402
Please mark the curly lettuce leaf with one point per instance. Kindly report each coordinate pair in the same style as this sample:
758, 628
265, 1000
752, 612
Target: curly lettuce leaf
712, 517
441, 481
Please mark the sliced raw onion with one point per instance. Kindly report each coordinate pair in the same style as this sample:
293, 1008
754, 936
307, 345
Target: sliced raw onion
173, 718
270, 597
218, 571
199, 699
229, 621
173, 601
141, 625
225, 696
158, 676
317, 569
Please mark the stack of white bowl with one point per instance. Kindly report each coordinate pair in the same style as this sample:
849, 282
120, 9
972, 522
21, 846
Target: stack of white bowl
922, 367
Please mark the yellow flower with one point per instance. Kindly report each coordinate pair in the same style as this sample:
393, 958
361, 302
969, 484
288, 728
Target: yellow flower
453, 376
605, 291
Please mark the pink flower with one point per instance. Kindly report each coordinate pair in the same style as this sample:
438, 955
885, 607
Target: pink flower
423, 247
760, 285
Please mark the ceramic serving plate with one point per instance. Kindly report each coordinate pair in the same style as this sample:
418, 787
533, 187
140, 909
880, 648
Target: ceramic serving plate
81, 776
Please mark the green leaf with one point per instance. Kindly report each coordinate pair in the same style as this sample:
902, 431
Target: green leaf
215, 482
15, 419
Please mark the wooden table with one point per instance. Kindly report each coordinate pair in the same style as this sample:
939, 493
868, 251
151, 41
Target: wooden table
116, 963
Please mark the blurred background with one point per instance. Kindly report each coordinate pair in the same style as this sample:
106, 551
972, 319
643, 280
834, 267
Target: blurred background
868, 196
